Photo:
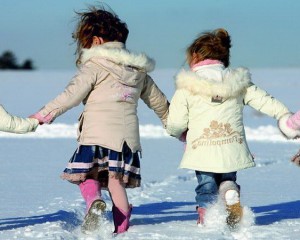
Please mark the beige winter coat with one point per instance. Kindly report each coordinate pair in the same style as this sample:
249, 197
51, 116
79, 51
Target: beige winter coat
14, 124
109, 83
209, 104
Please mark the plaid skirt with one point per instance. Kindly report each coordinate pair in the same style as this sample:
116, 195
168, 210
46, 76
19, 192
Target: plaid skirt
100, 163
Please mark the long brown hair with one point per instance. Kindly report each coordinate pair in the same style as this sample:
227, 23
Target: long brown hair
101, 23
210, 45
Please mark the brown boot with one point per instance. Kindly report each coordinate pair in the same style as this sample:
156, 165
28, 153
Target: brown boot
235, 214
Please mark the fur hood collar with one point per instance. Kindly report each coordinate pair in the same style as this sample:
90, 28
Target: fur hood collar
214, 80
116, 52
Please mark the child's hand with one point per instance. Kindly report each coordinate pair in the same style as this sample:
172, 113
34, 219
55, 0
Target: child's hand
296, 159
42, 119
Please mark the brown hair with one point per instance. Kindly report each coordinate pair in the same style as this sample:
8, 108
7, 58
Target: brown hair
210, 45
100, 23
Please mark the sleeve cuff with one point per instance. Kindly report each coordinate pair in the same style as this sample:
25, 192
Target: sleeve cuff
285, 130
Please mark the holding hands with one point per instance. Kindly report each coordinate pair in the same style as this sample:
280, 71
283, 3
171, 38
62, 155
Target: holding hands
42, 119
289, 125
294, 122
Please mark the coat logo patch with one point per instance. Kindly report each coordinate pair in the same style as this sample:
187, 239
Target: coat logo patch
217, 99
217, 134
124, 93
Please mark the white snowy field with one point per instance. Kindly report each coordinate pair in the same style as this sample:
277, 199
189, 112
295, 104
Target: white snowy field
37, 204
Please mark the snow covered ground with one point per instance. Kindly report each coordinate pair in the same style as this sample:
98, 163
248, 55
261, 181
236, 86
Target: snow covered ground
36, 204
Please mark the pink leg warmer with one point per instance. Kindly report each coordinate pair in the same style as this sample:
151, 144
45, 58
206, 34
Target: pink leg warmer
90, 191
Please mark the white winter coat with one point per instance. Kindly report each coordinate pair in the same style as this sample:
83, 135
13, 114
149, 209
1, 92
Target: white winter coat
209, 104
9, 123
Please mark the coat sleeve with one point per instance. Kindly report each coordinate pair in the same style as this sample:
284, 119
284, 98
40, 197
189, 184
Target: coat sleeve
74, 93
14, 124
264, 102
155, 99
178, 114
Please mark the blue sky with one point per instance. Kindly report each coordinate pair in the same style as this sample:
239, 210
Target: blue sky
265, 33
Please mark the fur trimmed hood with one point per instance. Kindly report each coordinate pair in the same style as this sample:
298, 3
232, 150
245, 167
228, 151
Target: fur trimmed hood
214, 80
116, 52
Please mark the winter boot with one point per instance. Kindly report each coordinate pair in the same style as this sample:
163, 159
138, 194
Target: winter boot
90, 190
230, 193
121, 219
91, 219
201, 212
234, 209
235, 214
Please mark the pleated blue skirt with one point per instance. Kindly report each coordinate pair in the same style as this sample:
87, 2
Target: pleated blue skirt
100, 163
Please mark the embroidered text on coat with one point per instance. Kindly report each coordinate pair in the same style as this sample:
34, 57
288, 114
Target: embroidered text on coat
217, 134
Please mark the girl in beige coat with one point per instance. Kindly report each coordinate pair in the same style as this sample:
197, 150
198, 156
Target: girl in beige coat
110, 82
14, 124
207, 107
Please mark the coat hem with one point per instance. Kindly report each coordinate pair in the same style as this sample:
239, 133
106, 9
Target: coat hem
134, 150
217, 170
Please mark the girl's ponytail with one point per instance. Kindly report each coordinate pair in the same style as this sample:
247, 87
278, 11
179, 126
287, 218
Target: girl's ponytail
224, 37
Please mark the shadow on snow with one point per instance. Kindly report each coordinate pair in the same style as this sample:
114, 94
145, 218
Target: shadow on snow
266, 215
69, 220
155, 213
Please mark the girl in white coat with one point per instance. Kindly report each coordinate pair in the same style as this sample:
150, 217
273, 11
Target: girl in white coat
207, 107
14, 124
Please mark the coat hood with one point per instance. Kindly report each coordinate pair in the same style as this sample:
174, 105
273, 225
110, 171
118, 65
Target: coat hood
117, 53
214, 80
127, 67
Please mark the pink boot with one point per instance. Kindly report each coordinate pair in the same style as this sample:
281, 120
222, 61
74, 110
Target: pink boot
90, 190
121, 219
201, 212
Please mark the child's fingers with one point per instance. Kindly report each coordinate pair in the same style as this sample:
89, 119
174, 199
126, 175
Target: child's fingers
296, 159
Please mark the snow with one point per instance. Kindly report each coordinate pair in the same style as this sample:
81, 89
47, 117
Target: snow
37, 204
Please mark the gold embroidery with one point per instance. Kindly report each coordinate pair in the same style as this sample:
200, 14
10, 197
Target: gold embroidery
212, 135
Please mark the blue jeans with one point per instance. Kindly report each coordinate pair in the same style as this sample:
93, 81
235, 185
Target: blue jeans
208, 186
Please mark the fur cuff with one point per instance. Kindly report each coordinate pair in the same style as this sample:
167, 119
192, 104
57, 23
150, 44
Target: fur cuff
285, 130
